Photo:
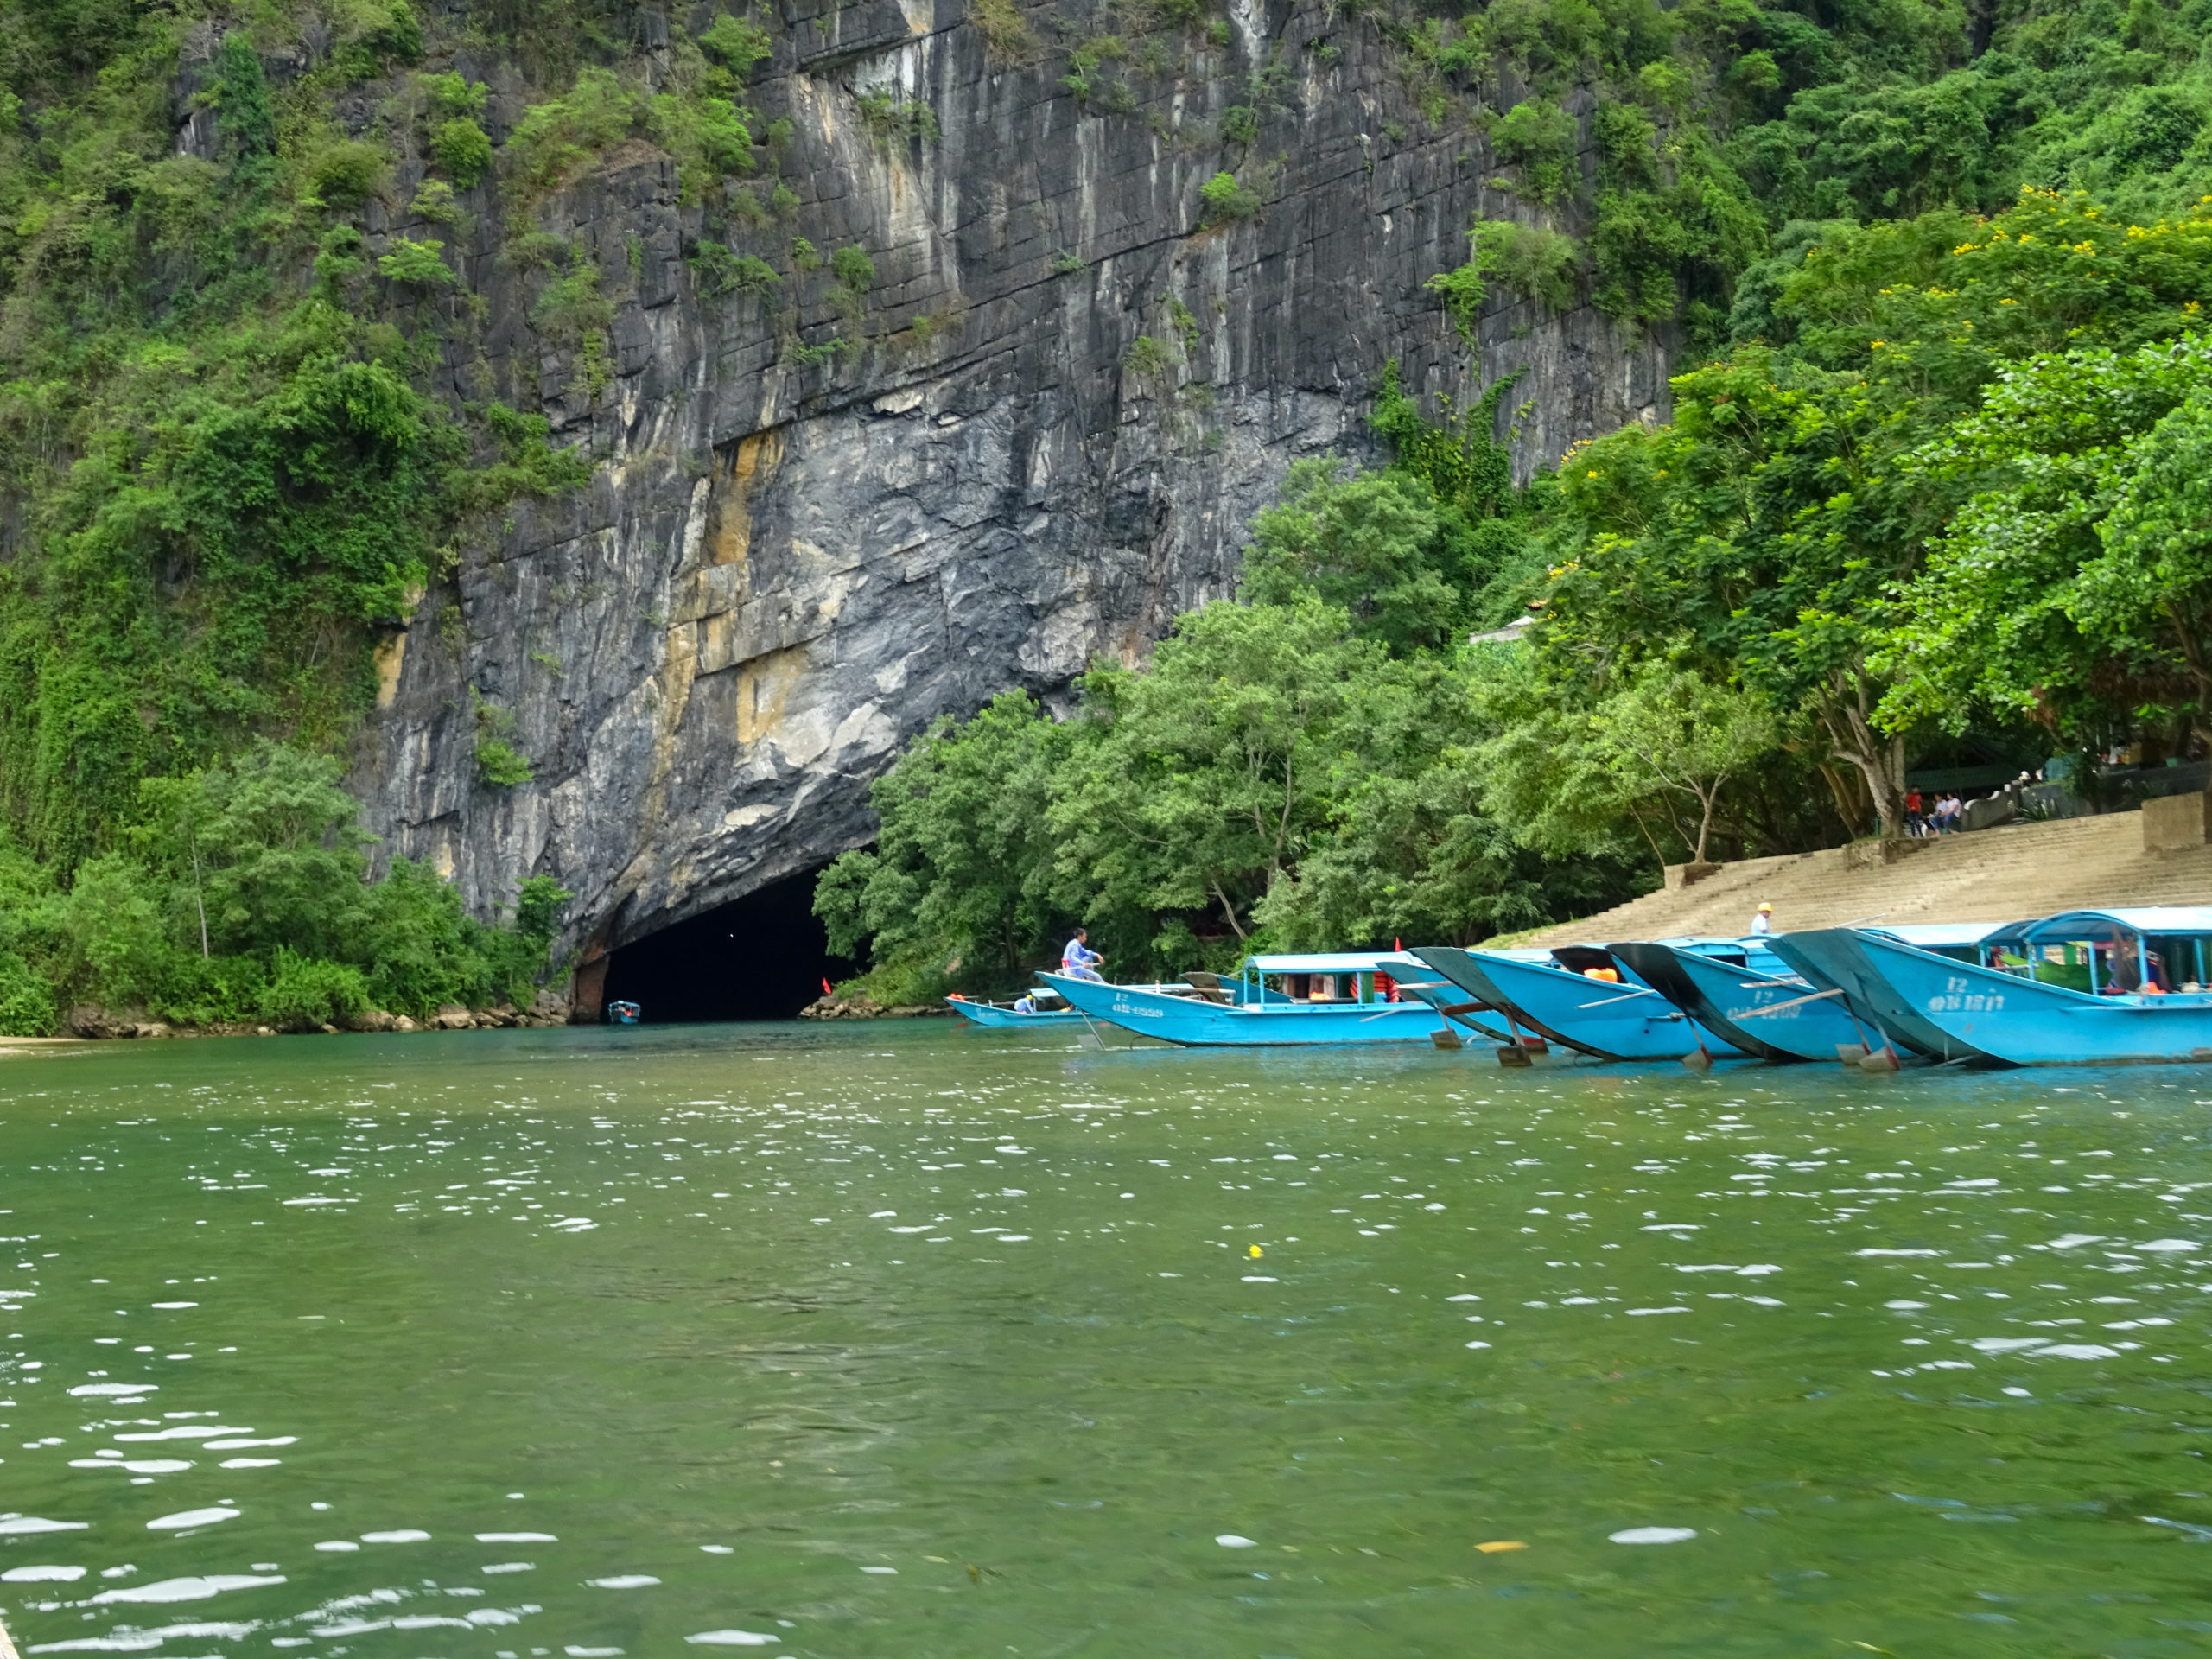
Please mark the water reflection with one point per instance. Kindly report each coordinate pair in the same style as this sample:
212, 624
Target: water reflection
868, 1340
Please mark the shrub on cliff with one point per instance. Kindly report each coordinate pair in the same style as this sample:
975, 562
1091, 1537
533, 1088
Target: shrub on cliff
1222, 200
462, 148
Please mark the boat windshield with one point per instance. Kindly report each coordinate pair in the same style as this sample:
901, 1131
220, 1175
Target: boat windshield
1323, 980
2102, 955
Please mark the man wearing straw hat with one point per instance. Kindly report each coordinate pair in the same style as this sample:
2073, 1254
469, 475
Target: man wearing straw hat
1764, 922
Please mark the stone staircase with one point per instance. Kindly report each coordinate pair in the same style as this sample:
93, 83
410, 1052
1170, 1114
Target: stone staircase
1990, 875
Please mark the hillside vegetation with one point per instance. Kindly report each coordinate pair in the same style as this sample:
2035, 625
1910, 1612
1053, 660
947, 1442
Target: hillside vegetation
1928, 491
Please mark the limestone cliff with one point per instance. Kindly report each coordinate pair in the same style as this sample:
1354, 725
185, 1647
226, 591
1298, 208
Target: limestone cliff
783, 568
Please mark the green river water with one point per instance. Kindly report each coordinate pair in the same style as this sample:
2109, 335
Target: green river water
898, 1341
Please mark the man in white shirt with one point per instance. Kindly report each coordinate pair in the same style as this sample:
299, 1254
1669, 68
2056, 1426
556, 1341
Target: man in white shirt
1764, 922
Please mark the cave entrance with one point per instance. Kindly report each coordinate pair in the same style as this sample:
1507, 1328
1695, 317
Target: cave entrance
762, 957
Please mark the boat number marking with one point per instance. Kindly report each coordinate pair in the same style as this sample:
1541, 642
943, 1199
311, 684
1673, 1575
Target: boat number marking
1957, 999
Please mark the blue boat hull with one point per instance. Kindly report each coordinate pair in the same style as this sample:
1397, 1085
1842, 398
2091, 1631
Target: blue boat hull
1626, 1022
2014, 1021
982, 1013
1835, 959
1195, 1023
1718, 994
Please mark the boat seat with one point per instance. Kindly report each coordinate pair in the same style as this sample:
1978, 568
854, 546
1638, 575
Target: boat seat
1208, 986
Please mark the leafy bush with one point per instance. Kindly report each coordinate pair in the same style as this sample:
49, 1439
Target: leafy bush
1531, 259
707, 135
1006, 35
737, 44
572, 307
557, 138
745, 207
1149, 359
852, 267
1240, 123
1538, 138
26, 1000
434, 201
453, 95
1222, 201
462, 148
419, 263
347, 172
304, 994
894, 119
500, 765
527, 464
719, 271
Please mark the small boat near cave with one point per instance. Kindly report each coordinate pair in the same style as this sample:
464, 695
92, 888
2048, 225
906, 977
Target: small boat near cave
1004, 1016
1316, 1001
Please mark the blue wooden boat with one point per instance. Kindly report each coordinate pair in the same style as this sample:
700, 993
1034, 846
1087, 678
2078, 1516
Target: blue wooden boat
1757, 1001
1248, 1012
1550, 992
1003, 1016
2082, 987
1834, 960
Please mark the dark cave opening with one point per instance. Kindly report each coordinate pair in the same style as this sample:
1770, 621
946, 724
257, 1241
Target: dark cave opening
762, 957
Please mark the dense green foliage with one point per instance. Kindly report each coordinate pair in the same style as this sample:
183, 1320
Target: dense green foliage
225, 467
1722, 124
237, 896
1942, 486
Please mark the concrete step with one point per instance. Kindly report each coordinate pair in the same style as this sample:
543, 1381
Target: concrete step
1995, 875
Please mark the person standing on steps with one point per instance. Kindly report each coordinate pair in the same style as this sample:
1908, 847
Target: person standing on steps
1080, 961
1764, 922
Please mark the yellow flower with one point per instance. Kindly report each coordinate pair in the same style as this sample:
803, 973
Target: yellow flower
1593, 473
1878, 344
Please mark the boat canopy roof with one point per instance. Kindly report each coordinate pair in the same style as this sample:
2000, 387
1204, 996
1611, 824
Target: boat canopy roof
1341, 962
1927, 934
2089, 925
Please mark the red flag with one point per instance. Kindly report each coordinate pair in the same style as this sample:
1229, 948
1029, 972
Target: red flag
826, 991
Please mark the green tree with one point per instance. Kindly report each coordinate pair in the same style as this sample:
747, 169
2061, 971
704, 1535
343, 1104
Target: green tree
1205, 771
962, 869
419, 263
462, 148
1360, 541
1674, 730
2074, 585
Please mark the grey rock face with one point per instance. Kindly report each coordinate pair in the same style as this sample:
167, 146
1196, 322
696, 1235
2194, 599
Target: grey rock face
784, 570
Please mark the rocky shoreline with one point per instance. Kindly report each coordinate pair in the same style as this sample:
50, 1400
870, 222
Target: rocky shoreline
97, 1024
861, 1006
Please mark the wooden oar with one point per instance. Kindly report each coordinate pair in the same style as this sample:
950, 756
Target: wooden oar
1623, 997
7, 1648
1794, 1002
